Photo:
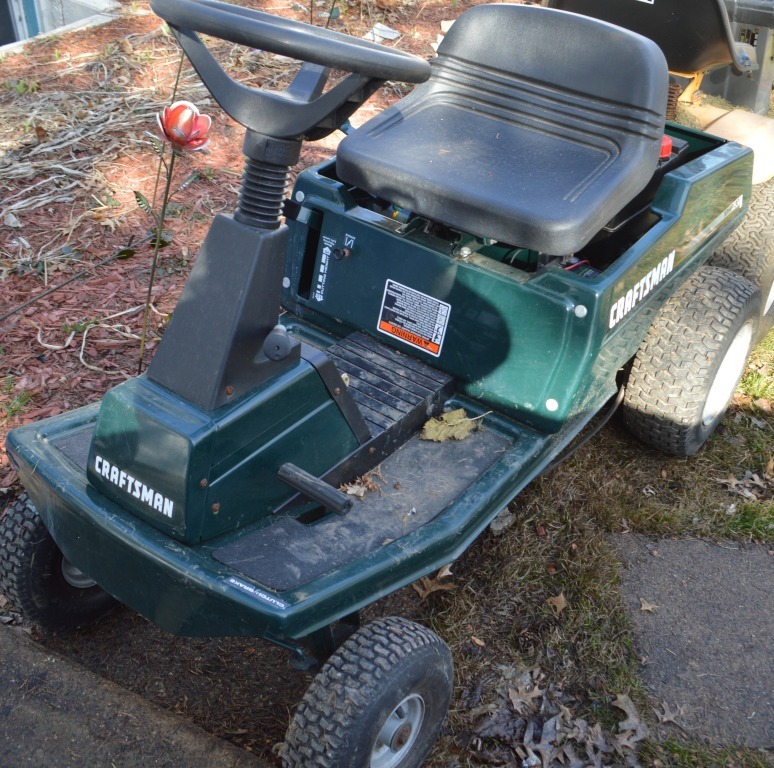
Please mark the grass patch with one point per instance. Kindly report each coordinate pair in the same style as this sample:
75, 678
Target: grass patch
12, 404
676, 754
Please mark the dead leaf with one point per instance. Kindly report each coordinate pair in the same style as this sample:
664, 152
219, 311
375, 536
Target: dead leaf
478, 641
452, 425
521, 699
501, 725
668, 716
502, 522
445, 572
646, 606
558, 603
426, 586
360, 486
632, 722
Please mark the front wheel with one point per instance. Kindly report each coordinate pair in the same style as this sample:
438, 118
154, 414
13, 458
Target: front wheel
378, 702
39, 580
690, 363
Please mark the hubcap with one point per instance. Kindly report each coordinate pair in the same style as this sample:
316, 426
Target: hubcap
75, 577
399, 733
728, 376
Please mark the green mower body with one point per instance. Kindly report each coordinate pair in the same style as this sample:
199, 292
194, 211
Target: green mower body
178, 512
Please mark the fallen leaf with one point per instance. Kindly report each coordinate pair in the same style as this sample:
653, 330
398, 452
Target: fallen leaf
558, 603
452, 425
632, 729
521, 698
360, 486
646, 606
502, 522
480, 643
501, 725
668, 716
444, 572
426, 586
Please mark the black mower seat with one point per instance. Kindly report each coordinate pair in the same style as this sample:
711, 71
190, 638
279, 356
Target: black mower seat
535, 127
695, 35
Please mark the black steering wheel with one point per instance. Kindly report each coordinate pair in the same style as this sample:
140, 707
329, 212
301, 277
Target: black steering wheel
285, 115
292, 38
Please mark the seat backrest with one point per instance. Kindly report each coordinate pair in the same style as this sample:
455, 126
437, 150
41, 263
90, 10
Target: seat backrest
695, 35
573, 55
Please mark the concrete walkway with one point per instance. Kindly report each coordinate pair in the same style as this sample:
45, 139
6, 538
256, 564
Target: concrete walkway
703, 616
56, 714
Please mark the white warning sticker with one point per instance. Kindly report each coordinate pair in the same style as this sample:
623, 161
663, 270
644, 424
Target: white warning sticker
414, 317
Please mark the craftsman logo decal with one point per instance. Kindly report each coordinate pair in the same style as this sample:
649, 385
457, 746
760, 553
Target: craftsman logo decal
626, 303
133, 487
413, 317
258, 593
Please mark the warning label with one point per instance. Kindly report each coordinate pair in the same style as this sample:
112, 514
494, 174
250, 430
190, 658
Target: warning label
413, 317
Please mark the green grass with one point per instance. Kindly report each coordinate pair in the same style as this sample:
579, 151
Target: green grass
12, 404
676, 754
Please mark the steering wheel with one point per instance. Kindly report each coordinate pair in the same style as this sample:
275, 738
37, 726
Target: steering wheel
285, 115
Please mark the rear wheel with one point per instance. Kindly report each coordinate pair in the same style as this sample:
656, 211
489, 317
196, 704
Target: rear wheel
749, 251
378, 702
690, 363
39, 580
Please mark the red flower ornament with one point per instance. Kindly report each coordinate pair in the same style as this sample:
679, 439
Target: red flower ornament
183, 126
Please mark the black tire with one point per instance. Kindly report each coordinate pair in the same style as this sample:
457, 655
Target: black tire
690, 363
38, 580
378, 702
749, 251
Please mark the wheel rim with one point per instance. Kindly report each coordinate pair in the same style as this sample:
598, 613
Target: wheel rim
75, 577
728, 376
399, 733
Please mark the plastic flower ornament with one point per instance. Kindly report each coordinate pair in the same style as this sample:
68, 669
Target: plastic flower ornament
183, 126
